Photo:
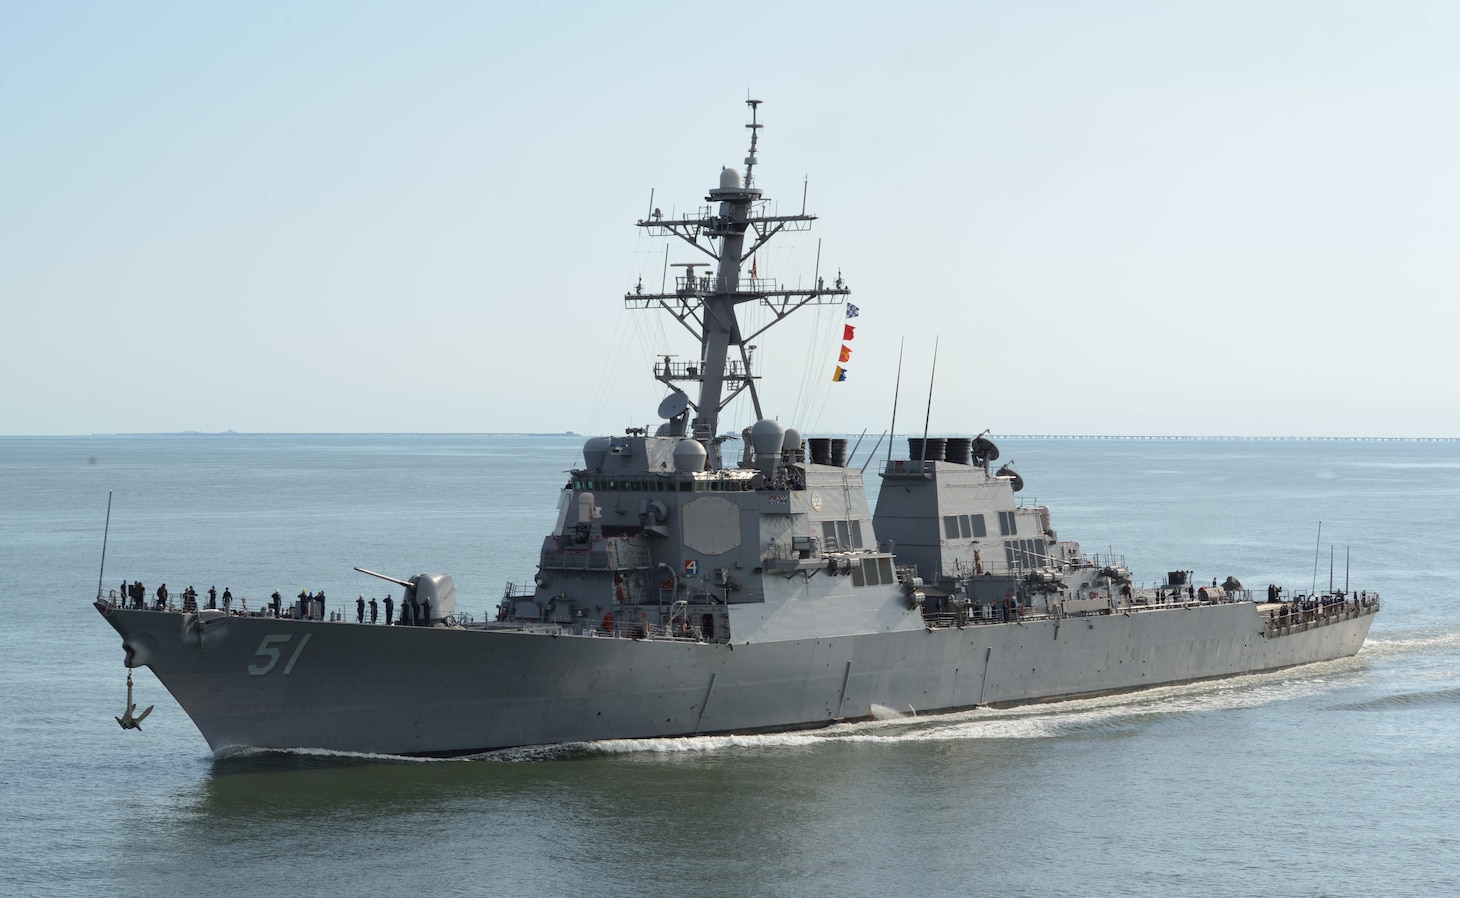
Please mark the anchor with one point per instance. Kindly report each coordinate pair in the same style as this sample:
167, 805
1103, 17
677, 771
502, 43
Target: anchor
127, 721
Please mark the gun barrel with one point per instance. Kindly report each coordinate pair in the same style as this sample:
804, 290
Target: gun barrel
385, 577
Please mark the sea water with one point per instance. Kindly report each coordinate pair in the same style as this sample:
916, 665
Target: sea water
1336, 779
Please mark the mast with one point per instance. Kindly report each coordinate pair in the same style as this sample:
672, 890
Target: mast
733, 229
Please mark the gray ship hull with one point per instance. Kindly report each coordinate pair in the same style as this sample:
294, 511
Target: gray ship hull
269, 683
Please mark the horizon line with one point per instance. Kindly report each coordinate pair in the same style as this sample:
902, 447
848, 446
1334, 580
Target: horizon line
560, 433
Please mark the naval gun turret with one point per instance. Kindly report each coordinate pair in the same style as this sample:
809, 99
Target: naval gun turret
438, 589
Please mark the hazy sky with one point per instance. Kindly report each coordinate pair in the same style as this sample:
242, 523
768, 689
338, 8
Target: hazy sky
1122, 218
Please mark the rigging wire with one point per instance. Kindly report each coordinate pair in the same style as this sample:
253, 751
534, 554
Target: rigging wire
620, 346
812, 360
827, 385
816, 380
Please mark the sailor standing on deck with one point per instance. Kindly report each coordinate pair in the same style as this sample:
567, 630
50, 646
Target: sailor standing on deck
162, 597
227, 599
425, 619
276, 600
374, 609
389, 610
360, 610
213, 596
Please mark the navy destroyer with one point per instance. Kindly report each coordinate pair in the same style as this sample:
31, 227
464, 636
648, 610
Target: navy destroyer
691, 585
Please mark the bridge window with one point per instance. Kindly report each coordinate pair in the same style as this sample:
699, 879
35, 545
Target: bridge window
1025, 553
963, 526
869, 571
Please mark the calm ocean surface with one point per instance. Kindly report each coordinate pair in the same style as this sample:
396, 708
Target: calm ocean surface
1340, 779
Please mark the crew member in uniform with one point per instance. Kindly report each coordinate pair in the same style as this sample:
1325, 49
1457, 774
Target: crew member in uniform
374, 609
389, 610
360, 610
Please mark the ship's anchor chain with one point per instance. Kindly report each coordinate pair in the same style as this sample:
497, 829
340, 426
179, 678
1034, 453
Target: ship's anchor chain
127, 721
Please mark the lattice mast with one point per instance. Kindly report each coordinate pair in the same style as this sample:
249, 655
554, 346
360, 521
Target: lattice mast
705, 304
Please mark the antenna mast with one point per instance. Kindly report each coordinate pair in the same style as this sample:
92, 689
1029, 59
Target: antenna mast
106, 530
896, 389
729, 231
750, 159
932, 376
1319, 545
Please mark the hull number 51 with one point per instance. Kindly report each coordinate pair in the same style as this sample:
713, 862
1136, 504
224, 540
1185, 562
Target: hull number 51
272, 649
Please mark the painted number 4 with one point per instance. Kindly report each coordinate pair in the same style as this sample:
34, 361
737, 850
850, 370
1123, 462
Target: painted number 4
271, 650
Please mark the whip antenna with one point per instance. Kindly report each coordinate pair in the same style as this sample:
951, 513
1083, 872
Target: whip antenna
105, 530
932, 376
1314, 588
896, 388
